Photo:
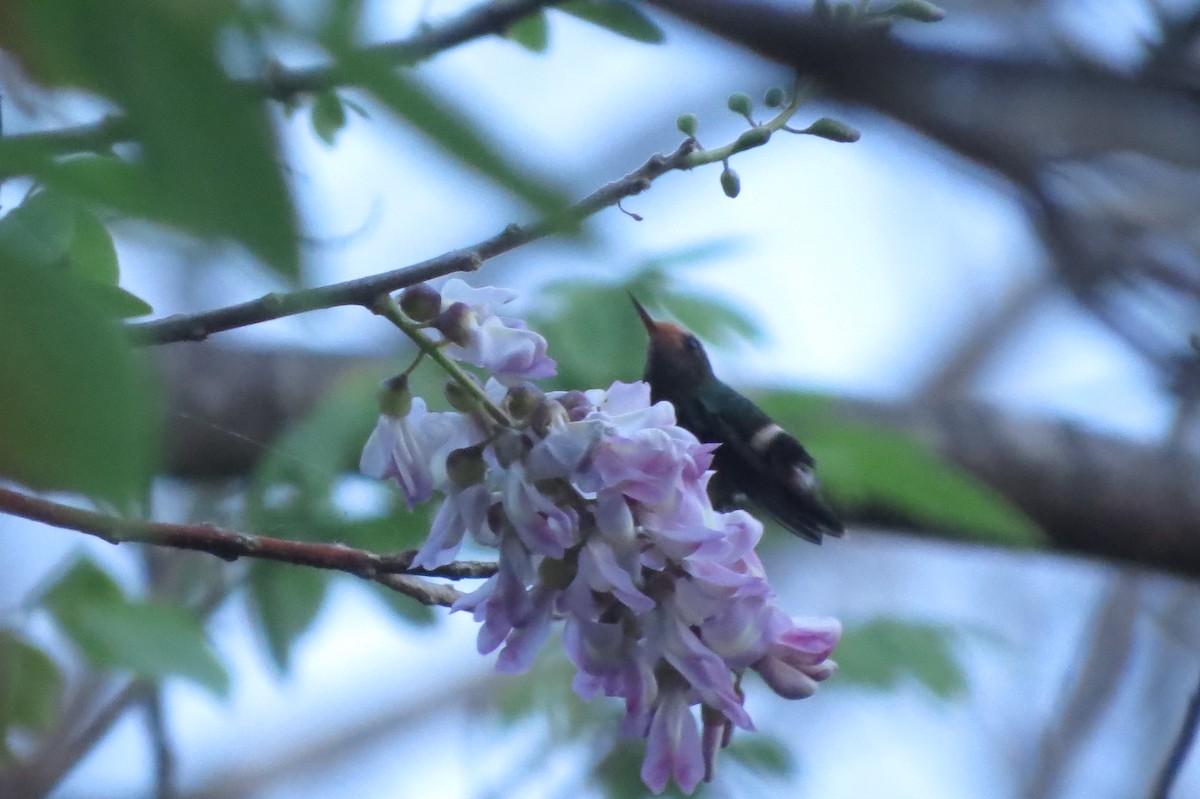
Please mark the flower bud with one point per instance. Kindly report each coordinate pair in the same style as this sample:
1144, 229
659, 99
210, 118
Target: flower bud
918, 10
739, 103
395, 400
461, 399
421, 302
774, 97
833, 130
465, 466
731, 184
755, 137
547, 416
523, 400
453, 323
510, 447
687, 124
576, 404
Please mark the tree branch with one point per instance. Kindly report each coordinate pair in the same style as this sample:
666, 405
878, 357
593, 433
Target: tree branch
284, 84
1180, 748
231, 545
364, 290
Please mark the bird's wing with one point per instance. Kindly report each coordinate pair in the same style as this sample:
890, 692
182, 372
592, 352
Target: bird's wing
764, 462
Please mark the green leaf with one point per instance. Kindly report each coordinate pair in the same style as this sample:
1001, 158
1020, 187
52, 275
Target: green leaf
76, 413
152, 640
531, 32
91, 254
84, 583
115, 301
40, 230
883, 652
30, 686
875, 467
446, 127
207, 160
618, 16
328, 116
287, 600
714, 321
762, 753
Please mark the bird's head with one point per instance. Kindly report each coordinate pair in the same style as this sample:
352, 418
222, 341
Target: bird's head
676, 363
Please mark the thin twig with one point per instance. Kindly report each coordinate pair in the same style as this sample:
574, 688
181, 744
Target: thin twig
160, 742
363, 291
1180, 749
285, 84
389, 309
230, 545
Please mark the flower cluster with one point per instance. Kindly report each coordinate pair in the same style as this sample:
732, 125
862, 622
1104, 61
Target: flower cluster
597, 503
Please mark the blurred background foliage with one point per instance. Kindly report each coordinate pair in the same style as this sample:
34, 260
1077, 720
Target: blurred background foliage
173, 126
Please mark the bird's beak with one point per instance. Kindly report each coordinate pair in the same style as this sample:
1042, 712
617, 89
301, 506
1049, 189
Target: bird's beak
651, 325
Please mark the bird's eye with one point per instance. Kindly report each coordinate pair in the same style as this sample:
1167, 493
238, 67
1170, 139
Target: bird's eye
692, 343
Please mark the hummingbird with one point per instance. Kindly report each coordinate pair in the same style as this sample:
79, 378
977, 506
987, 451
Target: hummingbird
757, 460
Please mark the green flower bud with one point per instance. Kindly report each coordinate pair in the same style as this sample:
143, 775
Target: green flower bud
421, 302
465, 466
774, 97
547, 416
833, 130
918, 10
687, 124
739, 103
754, 137
395, 400
523, 400
452, 323
731, 184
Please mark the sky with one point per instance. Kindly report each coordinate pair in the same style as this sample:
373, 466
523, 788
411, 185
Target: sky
860, 261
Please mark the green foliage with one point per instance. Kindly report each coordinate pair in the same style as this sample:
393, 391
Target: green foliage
293, 495
596, 336
761, 753
286, 601
618, 16
445, 126
531, 32
207, 161
30, 687
328, 115
77, 412
50, 229
150, 639
883, 652
867, 466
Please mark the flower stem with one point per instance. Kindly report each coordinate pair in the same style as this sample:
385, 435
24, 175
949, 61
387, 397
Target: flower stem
757, 135
388, 308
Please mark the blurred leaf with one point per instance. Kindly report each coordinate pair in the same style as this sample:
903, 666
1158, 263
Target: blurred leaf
595, 335
328, 115
404, 607
30, 686
287, 600
152, 640
84, 583
115, 301
869, 466
207, 157
531, 32
618, 16
762, 753
881, 653
446, 127
91, 254
77, 412
712, 320
40, 230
